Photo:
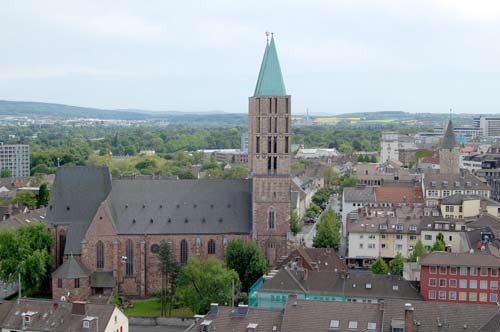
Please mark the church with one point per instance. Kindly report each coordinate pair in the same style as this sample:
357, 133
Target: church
107, 230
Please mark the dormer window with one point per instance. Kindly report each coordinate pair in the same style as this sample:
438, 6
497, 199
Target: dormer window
433, 183
86, 324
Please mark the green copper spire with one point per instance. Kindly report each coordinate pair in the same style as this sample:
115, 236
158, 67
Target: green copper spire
270, 81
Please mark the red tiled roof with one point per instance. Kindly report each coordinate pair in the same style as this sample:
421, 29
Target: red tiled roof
398, 194
430, 160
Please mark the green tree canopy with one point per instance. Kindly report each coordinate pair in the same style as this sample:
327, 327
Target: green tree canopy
380, 266
327, 231
203, 281
295, 225
396, 264
418, 251
42, 199
26, 250
321, 196
439, 245
5, 173
169, 268
247, 261
25, 198
330, 176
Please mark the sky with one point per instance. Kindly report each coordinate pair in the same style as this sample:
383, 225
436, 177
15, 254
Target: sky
337, 56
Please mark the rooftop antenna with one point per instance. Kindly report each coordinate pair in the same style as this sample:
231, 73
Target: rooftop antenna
267, 36
451, 112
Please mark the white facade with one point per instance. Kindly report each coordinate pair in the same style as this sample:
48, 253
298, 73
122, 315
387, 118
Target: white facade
118, 322
364, 245
490, 126
16, 158
389, 145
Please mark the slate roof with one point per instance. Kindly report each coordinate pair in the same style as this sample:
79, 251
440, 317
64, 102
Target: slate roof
453, 316
449, 141
317, 259
71, 269
270, 81
464, 181
486, 220
323, 283
228, 321
303, 315
75, 197
359, 194
479, 259
102, 279
55, 316
181, 206
457, 199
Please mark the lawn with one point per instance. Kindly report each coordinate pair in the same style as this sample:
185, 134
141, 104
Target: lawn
151, 308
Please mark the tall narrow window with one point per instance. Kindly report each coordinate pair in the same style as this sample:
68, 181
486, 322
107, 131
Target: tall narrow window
129, 252
62, 245
257, 144
276, 105
184, 252
275, 144
269, 129
268, 164
275, 164
100, 255
286, 144
286, 105
270, 218
268, 144
211, 247
270, 105
258, 125
77, 282
275, 125
258, 103
286, 125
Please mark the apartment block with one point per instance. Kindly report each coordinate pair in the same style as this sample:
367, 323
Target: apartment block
16, 158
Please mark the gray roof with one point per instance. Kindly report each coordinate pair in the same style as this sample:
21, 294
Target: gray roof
457, 199
479, 259
465, 181
323, 283
75, 197
71, 269
359, 194
181, 206
55, 316
449, 141
102, 279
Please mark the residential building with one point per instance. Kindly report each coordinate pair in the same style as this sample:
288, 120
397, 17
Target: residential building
454, 233
47, 315
382, 232
343, 286
438, 186
460, 206
314, 259
16, 158
449, 154
470, 277
392, 143
389, 172
104, 226
489, 125
244, 142
354, 198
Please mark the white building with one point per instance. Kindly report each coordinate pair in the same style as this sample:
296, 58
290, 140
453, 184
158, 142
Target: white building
16, 158
392, 142
489, 125
316, 153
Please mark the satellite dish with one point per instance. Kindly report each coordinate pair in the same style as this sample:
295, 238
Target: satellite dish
63, 298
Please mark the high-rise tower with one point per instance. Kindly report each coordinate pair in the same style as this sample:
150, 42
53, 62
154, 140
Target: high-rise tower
269, 157
449, 154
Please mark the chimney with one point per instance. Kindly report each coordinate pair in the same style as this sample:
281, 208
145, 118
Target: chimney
79, 308
242, 309
214, 309
408, 317
292, 298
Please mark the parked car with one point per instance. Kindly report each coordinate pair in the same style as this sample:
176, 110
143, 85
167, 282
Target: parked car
309, 220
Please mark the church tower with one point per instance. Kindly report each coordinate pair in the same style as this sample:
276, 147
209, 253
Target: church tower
269, 157
449, 154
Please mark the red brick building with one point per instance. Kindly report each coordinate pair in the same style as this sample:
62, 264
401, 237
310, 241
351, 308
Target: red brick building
460, 277
111, 228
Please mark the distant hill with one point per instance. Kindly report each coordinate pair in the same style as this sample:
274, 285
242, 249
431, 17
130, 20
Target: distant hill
61, 111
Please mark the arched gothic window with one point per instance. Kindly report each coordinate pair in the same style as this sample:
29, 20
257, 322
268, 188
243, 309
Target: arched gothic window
129, 252
62, 245
184, 252
211, 247
100, 255
270, 218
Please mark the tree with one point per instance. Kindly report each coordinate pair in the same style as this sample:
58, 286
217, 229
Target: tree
439, 245
169, 268
347, 181
418, 251
5, 173
327, 231
380, 266
25, 198
321, 196
202, 282
247, 261
396, 264
295, 225
331, 177
26, 251
42, 199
